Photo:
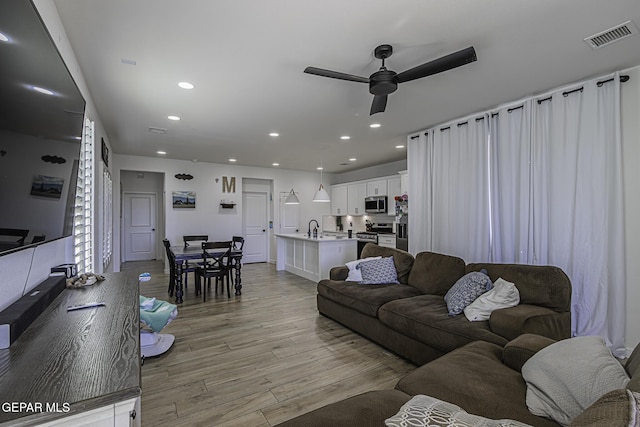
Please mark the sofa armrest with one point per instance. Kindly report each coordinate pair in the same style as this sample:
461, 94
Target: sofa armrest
530, 319
339, 273
517, 351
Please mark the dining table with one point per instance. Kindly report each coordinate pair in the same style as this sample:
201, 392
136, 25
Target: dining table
183, 254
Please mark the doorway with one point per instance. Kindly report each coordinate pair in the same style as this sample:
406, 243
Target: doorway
255, 224
140, 223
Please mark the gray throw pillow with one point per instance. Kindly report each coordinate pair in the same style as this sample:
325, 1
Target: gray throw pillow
466, 290
378, 271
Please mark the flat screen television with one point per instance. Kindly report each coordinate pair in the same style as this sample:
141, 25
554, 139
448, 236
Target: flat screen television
41, 123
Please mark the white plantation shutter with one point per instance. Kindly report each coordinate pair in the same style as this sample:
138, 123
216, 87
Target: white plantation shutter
83, 217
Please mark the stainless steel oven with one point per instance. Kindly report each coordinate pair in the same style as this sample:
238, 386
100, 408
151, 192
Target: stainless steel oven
365, 237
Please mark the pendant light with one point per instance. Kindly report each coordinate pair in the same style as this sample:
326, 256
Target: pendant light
321, 195
292, 199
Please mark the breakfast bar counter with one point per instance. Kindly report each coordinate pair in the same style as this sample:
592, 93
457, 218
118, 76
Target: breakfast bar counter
313, 258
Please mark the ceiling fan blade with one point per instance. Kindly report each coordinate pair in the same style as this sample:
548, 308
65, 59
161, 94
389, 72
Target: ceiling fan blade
379, 104
335, 75
447, 62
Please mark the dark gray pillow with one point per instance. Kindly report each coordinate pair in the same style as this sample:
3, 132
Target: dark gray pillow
466, 290
378, 271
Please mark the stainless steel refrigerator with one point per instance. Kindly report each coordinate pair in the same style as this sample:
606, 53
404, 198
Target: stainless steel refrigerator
402, 233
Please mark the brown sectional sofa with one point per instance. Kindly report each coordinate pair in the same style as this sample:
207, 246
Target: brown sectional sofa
483, 379
411, 318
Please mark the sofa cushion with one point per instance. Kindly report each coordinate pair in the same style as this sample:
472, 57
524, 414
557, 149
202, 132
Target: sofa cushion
425, 318
474, 378
519, 350
465, 291
425, 411
530, 319
544, 286
378, 271
403, 260
617, 408
364, 410
435, 273
366, 299
568, 376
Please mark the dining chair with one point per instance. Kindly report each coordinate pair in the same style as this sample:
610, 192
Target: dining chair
216, 264
190, 266
172, 265
235, 259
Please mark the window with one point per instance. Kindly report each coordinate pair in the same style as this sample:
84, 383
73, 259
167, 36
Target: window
83, 217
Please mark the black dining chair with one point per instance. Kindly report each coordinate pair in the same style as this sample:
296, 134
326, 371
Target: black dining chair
190, 266
172, 266
235, 260
216, 264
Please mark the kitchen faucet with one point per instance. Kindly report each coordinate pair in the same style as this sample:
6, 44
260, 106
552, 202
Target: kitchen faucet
315, 229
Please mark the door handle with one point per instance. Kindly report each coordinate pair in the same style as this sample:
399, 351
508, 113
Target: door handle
153, 229
263, 230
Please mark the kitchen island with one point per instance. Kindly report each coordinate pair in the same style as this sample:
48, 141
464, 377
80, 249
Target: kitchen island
313, 258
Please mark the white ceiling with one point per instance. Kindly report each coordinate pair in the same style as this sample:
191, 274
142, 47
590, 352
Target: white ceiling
246, 59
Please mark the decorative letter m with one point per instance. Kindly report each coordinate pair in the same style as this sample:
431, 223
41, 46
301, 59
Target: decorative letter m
228, 186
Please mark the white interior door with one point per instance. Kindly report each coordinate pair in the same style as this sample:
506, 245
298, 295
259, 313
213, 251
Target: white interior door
254, 211
139, 226
289, 216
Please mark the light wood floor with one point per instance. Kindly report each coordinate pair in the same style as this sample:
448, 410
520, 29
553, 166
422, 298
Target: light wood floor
258, 359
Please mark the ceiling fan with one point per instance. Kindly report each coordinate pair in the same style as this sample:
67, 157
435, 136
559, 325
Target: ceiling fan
383, 82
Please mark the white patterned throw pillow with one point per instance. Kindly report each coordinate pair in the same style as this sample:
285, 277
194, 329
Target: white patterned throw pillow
378, 271
427, 411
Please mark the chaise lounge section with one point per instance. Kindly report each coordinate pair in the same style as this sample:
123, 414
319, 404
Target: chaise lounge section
411, 317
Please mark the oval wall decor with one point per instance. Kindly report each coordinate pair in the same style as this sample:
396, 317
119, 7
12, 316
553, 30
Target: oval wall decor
54, 159
184, 176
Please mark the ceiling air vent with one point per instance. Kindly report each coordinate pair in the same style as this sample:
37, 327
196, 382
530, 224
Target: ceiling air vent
157, 130
611, 35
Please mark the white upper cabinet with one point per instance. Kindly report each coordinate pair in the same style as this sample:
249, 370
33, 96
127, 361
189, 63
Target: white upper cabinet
356, 193
394, 189
339, 201
377, 188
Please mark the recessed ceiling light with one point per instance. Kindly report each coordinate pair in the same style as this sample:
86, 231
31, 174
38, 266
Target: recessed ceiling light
3, 38
161, 152
399, 146
320, 168
173, 118
345, 137
233, 160
275, 164
274, 134
374, 125
353, 159
42, 90
186, 85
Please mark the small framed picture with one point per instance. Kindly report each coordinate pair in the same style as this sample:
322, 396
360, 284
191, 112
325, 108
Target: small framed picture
184, 199
105, 153
47, 186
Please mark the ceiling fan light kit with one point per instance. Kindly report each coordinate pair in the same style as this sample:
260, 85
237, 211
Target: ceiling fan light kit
384, 82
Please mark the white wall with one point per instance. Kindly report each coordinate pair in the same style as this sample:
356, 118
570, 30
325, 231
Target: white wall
208, 217
631, 160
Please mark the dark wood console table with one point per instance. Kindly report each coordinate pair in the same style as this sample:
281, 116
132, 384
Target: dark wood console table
68, 366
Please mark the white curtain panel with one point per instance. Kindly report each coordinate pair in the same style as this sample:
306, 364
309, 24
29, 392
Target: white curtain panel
419, 191
511, 219
460, 192
577, 200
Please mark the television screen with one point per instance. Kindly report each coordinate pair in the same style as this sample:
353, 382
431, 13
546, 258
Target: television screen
41, 122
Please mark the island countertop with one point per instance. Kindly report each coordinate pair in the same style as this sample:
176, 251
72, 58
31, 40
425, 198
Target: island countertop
313, 258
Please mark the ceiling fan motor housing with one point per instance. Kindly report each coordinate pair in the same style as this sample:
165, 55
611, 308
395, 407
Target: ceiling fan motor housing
383, 82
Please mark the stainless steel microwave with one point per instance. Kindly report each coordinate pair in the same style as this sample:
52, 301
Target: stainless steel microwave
375, 204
